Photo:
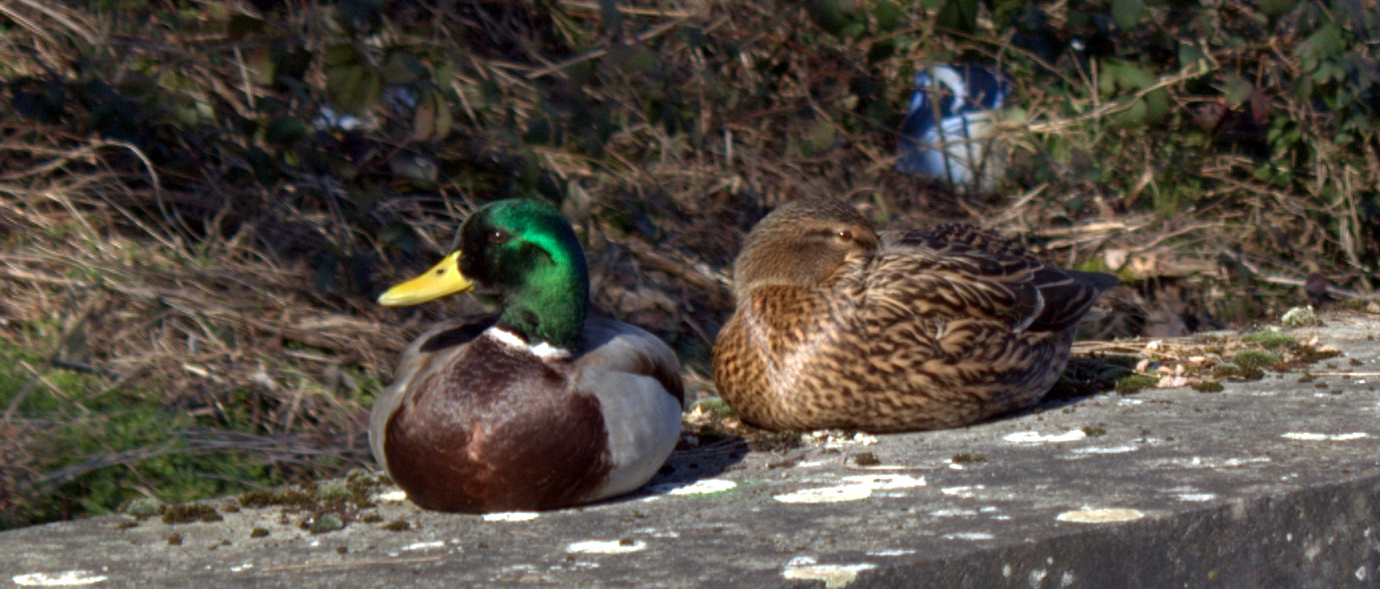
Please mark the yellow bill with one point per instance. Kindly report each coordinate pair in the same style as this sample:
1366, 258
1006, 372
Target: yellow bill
441, 280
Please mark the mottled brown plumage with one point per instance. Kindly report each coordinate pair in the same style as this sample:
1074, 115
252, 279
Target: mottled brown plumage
838, 326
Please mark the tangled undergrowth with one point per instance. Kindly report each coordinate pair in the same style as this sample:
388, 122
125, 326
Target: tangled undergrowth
198, 200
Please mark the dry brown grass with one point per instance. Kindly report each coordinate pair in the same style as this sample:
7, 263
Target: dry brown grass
186, 274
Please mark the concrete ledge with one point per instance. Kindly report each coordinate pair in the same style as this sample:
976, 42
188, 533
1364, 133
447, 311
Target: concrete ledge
1272, 483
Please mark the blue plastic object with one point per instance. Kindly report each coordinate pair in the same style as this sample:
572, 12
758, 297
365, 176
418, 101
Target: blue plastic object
957, 147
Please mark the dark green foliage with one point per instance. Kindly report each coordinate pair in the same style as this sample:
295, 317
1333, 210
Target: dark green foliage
1132, 384
1269, 339
1208, 386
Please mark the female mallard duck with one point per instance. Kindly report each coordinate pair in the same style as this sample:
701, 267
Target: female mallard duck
536, 406
838, 326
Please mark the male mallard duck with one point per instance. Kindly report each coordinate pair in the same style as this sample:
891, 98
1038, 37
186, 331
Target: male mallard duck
838, 326
537, 406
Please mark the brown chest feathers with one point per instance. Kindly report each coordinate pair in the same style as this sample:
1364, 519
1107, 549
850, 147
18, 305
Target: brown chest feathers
505, 433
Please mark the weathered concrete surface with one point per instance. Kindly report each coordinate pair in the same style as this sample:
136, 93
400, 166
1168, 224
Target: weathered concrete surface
1273, 483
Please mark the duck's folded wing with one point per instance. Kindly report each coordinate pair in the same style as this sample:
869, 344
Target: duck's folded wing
964, 234
620, 347
955, 279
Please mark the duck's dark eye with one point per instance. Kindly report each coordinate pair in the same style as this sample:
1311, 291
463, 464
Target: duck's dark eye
844, 235
499, 237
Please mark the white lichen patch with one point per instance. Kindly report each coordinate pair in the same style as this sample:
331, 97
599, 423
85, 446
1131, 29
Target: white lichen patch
511, 516
606, 546
1105, 450
886, 481
971, 536
1195, 497
1299, 317
704, 487
655, 533
963, 491
425, 545
1038, 438
1210, 462
898, 552
75, 578
954, 512
394, 496
858, 487
244, 566
827, 494
831, 439
834, 576
1100, 515
1312, 437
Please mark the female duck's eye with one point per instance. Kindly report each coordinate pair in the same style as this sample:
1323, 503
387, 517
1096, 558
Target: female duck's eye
844, 235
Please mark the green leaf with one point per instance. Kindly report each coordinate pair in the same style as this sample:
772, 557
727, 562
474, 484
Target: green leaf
1236, 90
958, 15
1126, 13
833, 15
888, 14
342, 54
1117, 76
821, 136
1189, 54
401, 67
1108, 75
354, 88
1134, 77
442, 69
1322, 45
1006, 12
1156, 106
1132, 117
1277, 7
